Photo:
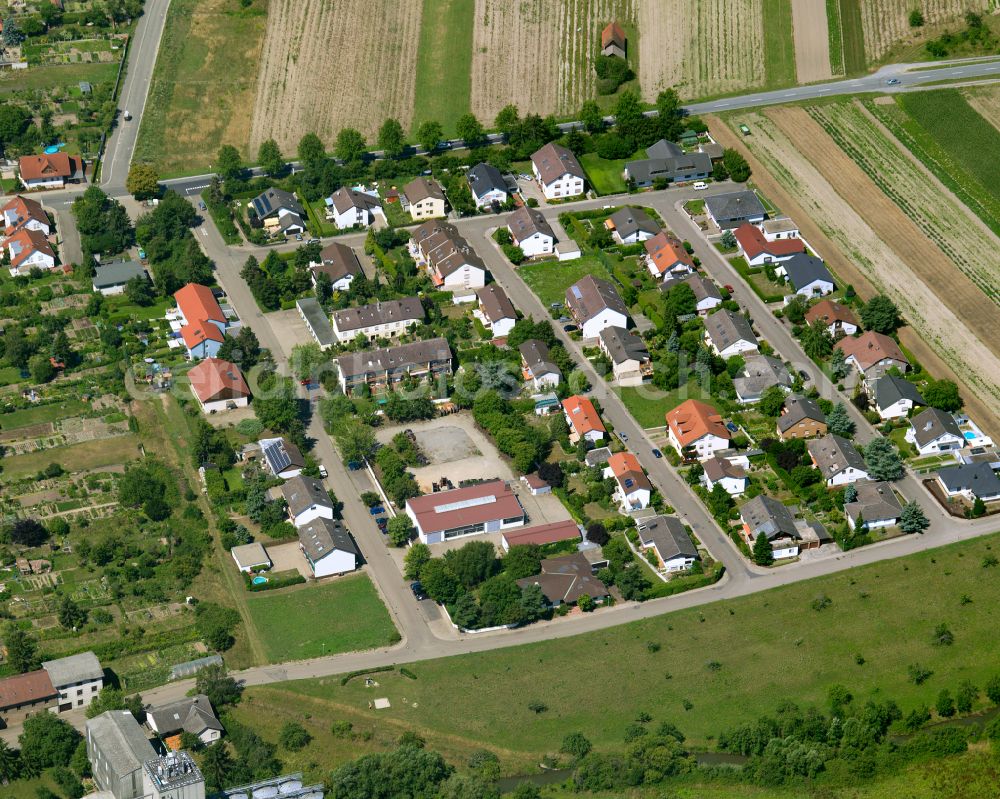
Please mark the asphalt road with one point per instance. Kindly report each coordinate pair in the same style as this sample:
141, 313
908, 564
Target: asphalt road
132, 98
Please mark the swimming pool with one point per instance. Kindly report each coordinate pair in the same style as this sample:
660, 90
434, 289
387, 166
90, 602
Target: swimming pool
259, 580
970, 435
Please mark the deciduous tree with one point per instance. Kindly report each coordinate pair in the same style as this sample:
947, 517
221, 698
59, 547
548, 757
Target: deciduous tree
350, 145
429, 134
229, 163
880, 314
143, 181
270, 159
391, 139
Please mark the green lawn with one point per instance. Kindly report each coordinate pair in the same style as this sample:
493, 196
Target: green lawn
772, 647
120, 308
649, 404
76, 457
37, 414
207, 60
606, 176
341, 616
444, 64
779, 47
550, 279
852, 31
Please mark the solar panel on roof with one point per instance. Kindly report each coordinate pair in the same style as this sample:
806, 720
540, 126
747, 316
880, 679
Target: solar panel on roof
576, 292
277, 456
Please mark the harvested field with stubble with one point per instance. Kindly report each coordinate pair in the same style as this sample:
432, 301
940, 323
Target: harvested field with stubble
812, 40
701, 47
328, 65
877, 244
538, 54
986, 101
886, 23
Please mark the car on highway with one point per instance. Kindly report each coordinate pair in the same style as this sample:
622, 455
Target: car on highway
893, 81
657, 453
418, 591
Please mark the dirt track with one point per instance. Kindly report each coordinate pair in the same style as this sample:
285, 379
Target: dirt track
811, 34
868, 258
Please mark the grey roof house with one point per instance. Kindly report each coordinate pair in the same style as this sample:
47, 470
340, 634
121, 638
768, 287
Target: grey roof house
631, 225
876, 505
764, 515
486, 184
807, 274
668, 161
668, 538
117, 748
193, 714
895, 396
970, 480
281, 204
732, 210
78, 679
113, 277
837, 459
760, 372
306, 496
537, 364
729, 333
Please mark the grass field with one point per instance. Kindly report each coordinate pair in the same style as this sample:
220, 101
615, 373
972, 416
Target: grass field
444, 63
37, 414
771, 646
202, 92
649, 405
606, 176
75, 457
853, 37
550, 279
340, 616
779, 48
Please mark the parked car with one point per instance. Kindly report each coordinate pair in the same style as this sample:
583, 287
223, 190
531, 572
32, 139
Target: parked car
893, 81
804, 374
418, 591
202, 206
376, 510
298, 237
657, 453
623, 436
731, 427
323, 472
354, 465
699, 185
556, 306
570, 328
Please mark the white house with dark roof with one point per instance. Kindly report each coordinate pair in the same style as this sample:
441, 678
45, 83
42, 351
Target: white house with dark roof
348, 208
111, 278
933, 431
875, 506
764, 515
721, 471
277, 208
669, 540
425, 198
338, 262
706, 294
838, 460
537, 365
558, 172
894, 397
452, 263
495, 310
630, 361
807, 275
307, 500
971, 481
728, 334
760, 372
630, 225
530, 231
192, 714
77, 678
328, 547
632, 488
487, 185
595, 305
281, 457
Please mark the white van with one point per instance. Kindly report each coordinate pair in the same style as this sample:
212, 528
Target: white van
701, 184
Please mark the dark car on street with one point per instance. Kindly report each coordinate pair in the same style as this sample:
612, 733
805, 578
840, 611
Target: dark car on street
418, 591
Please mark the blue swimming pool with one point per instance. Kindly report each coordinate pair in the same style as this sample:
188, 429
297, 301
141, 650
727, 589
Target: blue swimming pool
969, 435
259, 580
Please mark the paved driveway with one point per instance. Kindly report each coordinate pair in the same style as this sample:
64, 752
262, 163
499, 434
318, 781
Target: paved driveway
286, 557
